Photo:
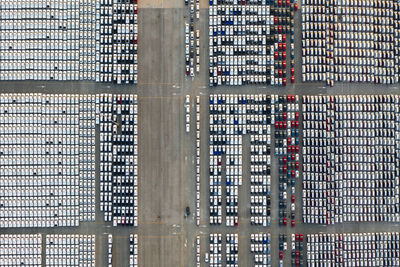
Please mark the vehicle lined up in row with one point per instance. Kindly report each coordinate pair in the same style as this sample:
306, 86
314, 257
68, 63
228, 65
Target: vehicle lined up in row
353, 249
282, 247
197, 160
286, 114
231, 117
133, 250
215, 257
87, 171
350, 159
21, 250
232, 250
297, 250
260, 246
198, 252
109, 250
77, 250
192, 39
350, 41
118, 120
248, 42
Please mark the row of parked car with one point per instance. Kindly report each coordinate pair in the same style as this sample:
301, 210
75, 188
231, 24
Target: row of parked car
47, 145
192, 39
118, 30
21, 250
133, 250
215, 257
87, 162
75, 250
353, 249
109, 249
260, 247
350, 43
357, 155
243, 114
197, 160
232, 250
287, 150
118, 120
247, 42
297, 250
198, 252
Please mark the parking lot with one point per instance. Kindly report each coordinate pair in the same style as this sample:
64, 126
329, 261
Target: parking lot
167, 154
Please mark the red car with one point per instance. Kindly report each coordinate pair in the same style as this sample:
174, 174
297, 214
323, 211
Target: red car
284, 221
284, 81
280, 254
293, 198
293, 223
292, 79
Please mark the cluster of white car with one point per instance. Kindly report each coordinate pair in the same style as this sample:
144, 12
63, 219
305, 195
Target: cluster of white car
240, 48
98, 43
110, 246
350, 154
198, 252
232, 116
21, 250
232, 250
119, 158
197, 160
286, 118
124, 40
350, 41
40, 150
87, 175
70, 250
192, 40
37, 44
260, 178
215, 258
260, 247
247, 41
133, 250
353, 249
